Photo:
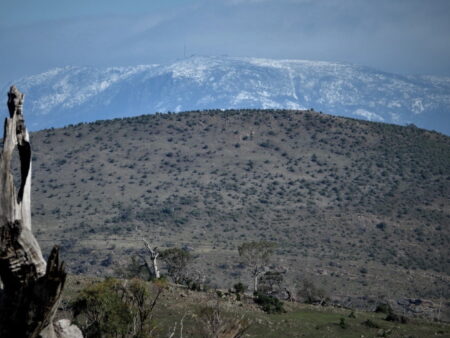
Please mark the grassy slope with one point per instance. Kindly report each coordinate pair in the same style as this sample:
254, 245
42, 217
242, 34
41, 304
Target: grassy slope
317, 185
299, 320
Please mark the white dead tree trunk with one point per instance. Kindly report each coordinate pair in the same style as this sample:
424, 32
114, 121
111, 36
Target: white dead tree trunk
31, 287
150, 258
153, 254
256, 274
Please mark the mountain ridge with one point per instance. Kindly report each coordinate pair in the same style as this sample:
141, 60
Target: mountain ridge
71, 94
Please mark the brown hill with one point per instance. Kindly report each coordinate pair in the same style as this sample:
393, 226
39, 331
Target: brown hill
361, 208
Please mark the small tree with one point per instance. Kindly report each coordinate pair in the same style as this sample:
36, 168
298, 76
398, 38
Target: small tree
256, 256
270, 283
311, 294
239, 287
134, 268
99, 310
142, 302
114, 308
177, 261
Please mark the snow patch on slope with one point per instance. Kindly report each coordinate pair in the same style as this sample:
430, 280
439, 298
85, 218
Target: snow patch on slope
73, 94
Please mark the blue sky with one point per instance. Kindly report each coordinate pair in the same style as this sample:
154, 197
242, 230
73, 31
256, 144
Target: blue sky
402, 36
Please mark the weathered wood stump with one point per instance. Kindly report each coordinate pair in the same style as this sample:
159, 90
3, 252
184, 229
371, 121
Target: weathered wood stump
31, 287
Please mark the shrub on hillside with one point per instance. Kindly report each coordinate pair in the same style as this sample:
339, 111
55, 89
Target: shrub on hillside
269, 304
393, 317
311, 294
383, 308
239, 287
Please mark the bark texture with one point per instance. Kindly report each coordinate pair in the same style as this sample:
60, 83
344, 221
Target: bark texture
31, 286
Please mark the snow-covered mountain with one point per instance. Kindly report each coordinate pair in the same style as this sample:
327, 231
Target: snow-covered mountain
69, 95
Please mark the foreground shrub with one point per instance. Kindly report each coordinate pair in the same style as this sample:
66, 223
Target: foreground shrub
215, 322
99, 310
114, 308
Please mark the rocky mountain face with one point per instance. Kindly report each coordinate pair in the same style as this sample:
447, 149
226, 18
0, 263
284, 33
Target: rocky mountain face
70, 95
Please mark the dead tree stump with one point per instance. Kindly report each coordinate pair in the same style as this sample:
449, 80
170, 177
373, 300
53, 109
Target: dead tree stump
31, 287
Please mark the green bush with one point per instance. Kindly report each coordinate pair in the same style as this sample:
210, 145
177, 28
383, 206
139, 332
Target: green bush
383, 308
177, 260
342, 323
239, 287
269, 304
113, 308
99, 310
392, 317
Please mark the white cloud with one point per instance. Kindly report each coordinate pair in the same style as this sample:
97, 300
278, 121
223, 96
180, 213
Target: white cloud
395, 117
368, 115
417, 106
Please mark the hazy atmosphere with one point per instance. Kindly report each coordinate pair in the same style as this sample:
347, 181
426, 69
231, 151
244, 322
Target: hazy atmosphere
395, 36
